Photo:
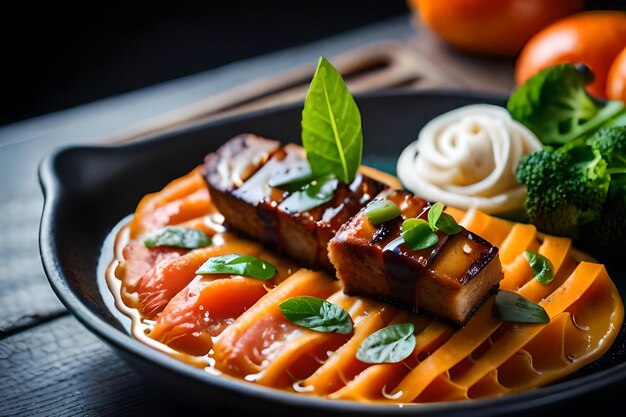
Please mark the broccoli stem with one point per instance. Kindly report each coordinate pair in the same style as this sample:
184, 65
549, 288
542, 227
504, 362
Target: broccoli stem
612, 171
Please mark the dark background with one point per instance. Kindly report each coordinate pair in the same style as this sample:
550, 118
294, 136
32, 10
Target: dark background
58, 55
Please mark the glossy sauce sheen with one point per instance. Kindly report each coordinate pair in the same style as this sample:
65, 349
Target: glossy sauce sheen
221, 326
450, 279
303, 234
403, 264
405, 267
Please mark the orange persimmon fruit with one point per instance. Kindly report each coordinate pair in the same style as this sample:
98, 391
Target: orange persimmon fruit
491, 27
591, 38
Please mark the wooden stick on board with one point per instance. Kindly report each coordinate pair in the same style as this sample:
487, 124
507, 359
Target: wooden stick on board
372, 67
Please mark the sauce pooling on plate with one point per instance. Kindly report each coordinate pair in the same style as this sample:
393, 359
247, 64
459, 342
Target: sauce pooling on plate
232, 325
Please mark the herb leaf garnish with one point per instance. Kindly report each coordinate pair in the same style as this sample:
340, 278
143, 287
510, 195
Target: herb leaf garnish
418, 234
390, 344
542, 267
381, 211
317, 192
331, 125
176, 236
439, 220
512, 307
237, 264
316, 314
293, 180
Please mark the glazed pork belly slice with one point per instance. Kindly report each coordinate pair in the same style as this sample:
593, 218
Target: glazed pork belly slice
238, 174
227, 169
450, 280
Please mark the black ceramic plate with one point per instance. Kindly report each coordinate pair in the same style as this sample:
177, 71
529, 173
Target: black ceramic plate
88, 190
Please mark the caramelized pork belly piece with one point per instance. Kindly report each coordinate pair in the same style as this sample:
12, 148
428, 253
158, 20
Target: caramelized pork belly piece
450, 279
238, 174
227, 169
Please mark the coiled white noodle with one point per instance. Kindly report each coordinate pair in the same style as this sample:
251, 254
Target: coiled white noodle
467, 158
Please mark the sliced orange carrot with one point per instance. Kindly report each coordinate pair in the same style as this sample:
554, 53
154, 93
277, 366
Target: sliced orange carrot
498, 230
556, 250
594, 322
361, 387
376, 379
343, 365
468, 338
175, 190
465, 340
490, 228
456, 214
553, 248
519, 335
520, 238
517, 273
300, 357
484, 358
488, 386
196, 204
483, 324
442, 389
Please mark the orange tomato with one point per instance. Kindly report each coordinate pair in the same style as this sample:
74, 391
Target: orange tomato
491, 27
592, 38
616, 80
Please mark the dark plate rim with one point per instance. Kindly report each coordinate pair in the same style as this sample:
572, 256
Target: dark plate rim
53, 195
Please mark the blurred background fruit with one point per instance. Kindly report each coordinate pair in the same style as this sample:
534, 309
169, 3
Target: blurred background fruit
616, 80
593, 38
491, 27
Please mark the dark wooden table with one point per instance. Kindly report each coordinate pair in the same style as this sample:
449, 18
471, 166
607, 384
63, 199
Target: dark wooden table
50, 364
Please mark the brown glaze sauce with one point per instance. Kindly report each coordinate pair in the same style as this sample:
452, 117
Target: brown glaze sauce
339, 366
322, 221
404, 266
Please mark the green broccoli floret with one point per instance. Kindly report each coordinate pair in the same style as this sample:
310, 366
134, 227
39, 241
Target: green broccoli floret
565, 190
555, 106
579, 191
608, 233
611, 143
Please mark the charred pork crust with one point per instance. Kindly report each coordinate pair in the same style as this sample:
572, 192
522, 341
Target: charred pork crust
238, 174
449, 280
237, 160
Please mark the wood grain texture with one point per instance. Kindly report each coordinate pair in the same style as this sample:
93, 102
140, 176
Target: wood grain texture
372, 67
25, 295
60, 369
